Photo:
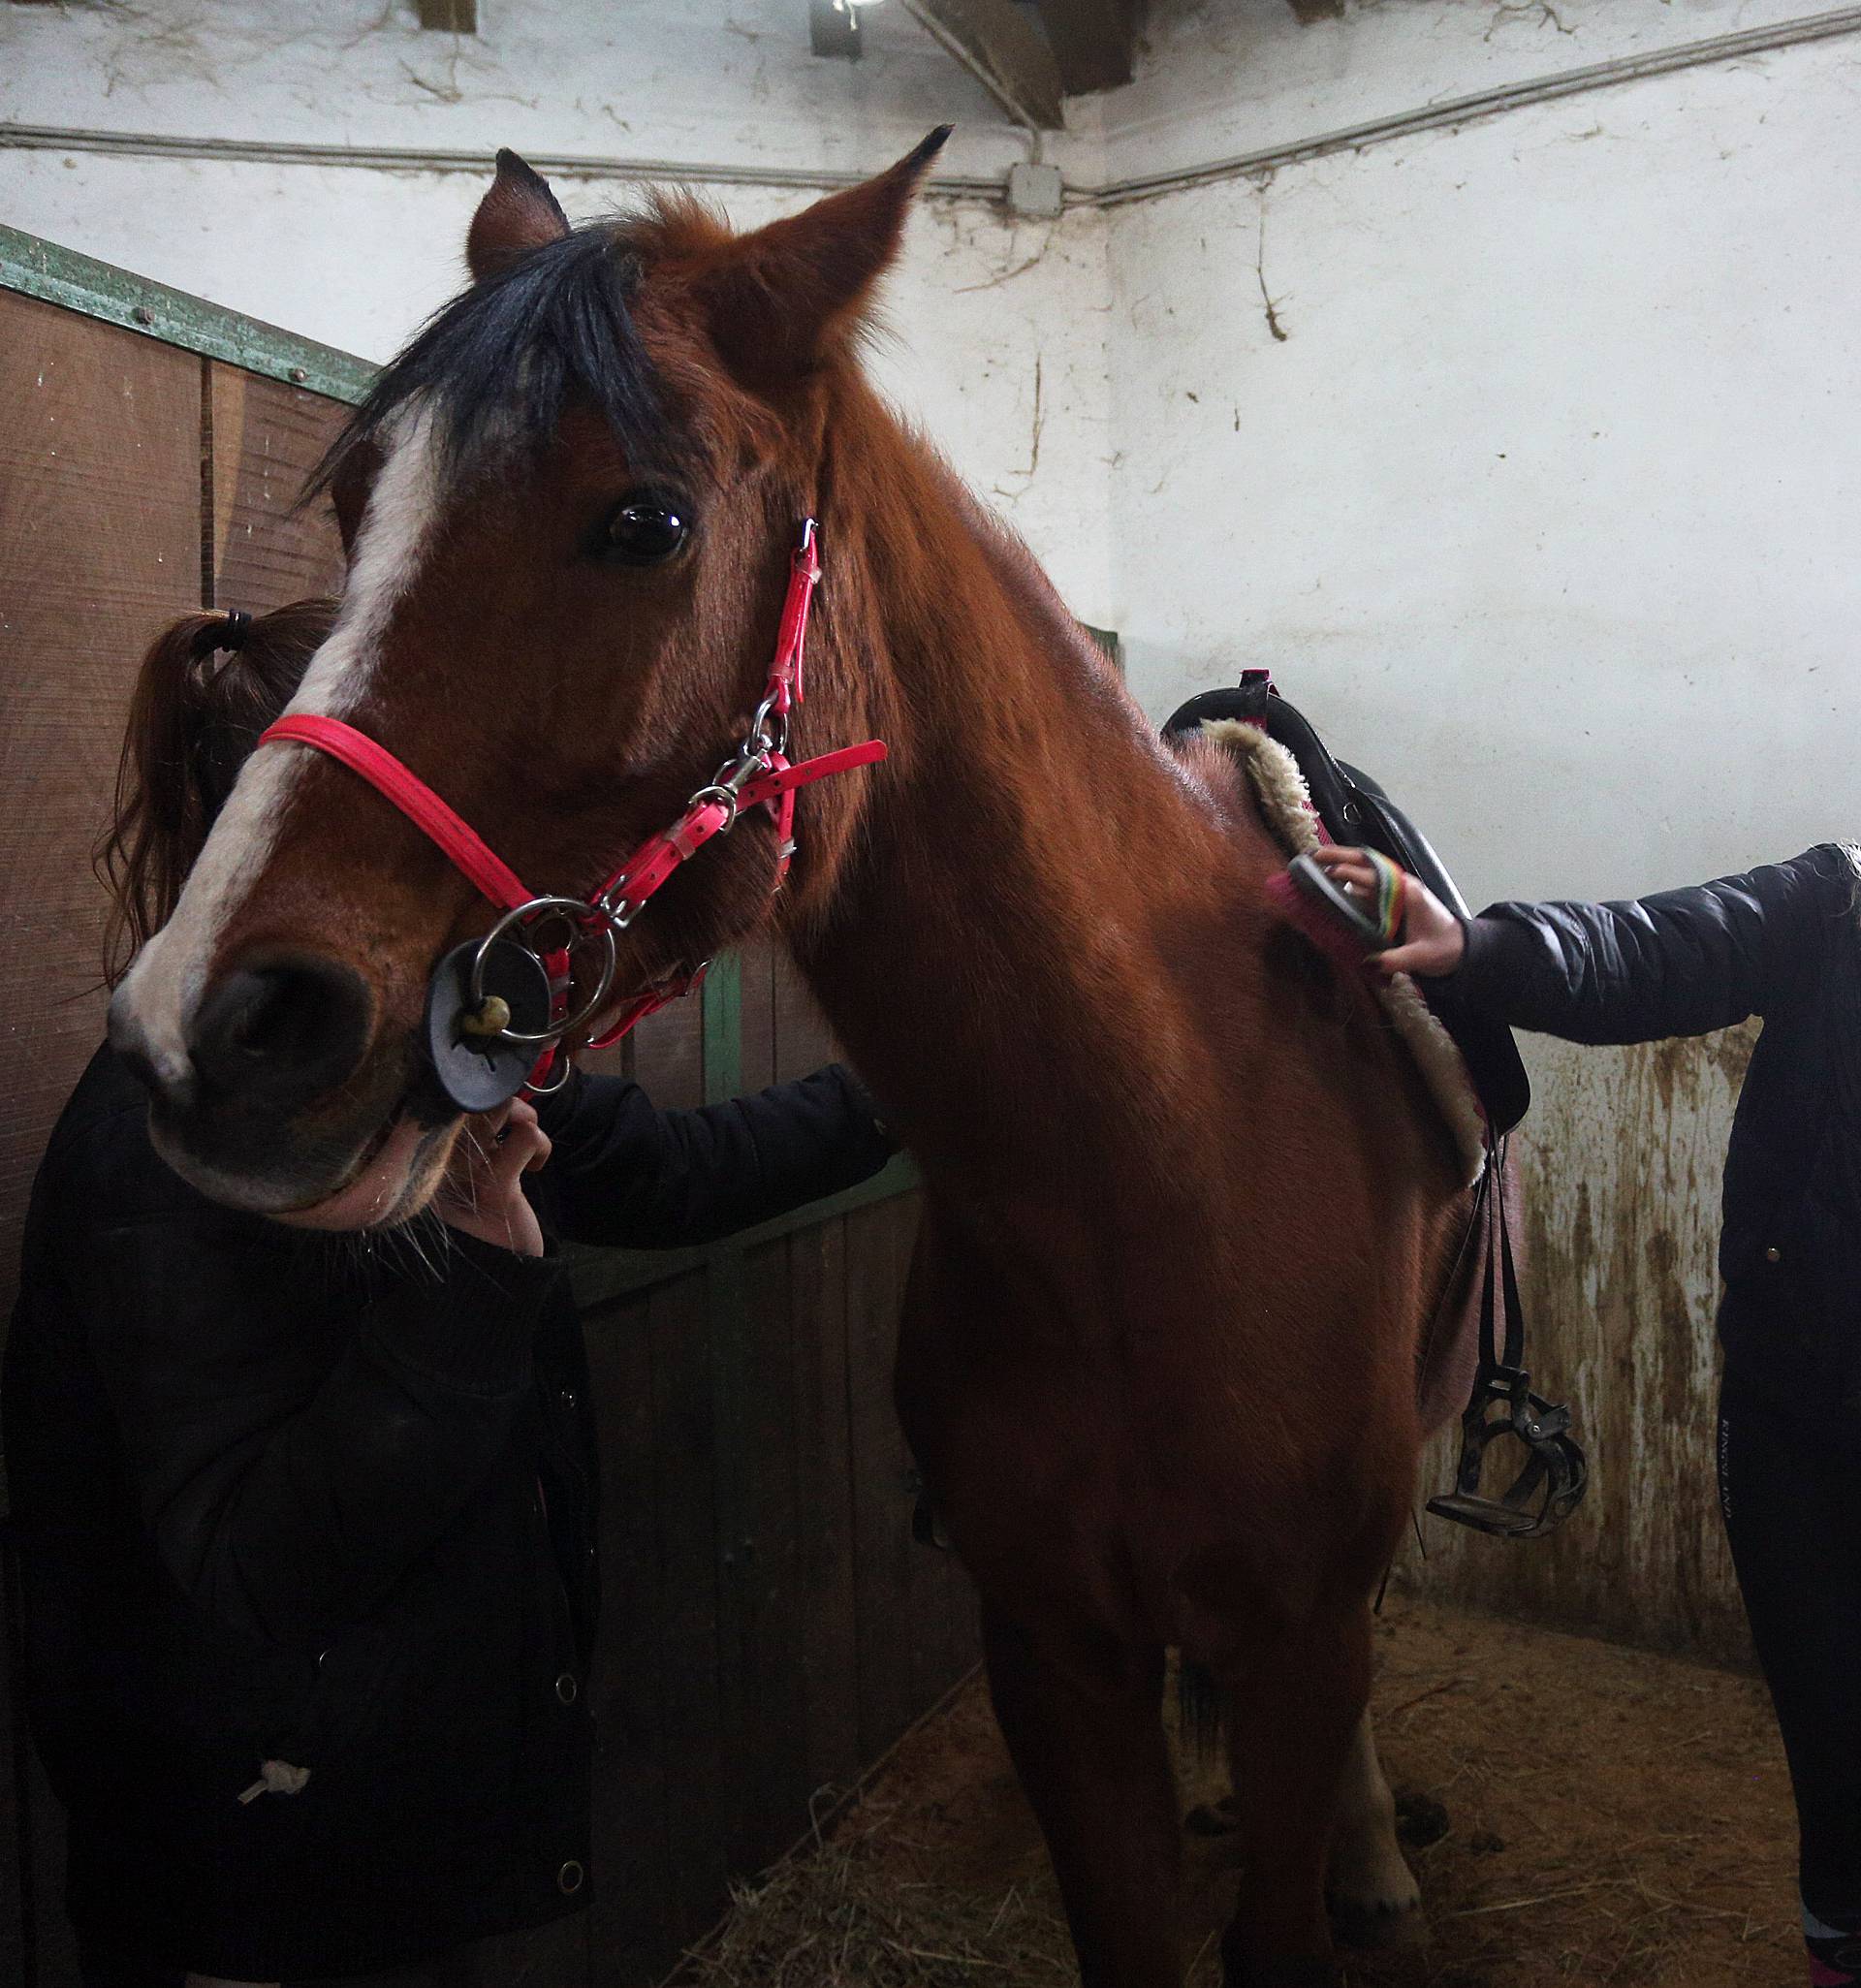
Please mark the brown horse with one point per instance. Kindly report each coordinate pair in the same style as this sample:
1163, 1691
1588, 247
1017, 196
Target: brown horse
1187, 1206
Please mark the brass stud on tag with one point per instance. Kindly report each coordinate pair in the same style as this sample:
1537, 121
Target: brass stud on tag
491, 1017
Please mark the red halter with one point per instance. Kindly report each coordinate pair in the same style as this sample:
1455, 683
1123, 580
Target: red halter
758, 774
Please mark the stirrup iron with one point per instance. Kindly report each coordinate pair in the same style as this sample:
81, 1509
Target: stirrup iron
1556, 1473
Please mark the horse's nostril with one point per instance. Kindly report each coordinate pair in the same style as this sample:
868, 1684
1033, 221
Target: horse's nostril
288, 1029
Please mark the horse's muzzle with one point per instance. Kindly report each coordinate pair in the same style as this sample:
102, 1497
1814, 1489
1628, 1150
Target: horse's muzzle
282, 1087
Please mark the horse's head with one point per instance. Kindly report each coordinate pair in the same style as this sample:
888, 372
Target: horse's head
568, 508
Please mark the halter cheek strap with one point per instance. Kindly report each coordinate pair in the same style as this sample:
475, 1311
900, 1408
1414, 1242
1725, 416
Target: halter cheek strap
758, 774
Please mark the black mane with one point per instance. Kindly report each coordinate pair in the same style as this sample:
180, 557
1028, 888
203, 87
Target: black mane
498, 363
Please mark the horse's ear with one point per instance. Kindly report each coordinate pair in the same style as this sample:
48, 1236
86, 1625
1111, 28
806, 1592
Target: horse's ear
780, 298
518, 214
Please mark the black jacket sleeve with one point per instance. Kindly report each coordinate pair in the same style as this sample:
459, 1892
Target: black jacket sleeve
1682, 963
626, 1174
297, 1439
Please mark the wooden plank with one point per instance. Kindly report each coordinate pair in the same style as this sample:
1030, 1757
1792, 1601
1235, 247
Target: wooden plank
100, 507
264, 440
631, 1939
757, 1055
803, 1041
669, 1054
1092, 41
881, 1472
769, 1620
551, 1956
1005, 42
600, 1275
728, 1330
153, 312
684, 1460
822, 1459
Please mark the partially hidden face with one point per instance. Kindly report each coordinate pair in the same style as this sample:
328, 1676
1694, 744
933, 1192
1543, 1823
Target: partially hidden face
568, 509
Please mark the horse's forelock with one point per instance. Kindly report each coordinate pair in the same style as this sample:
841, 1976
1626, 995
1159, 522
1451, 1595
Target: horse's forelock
497, 368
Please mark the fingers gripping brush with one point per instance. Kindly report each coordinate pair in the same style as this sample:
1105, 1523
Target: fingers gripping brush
1345, 927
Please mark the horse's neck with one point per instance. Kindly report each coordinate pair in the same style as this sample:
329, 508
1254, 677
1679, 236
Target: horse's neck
1034, 865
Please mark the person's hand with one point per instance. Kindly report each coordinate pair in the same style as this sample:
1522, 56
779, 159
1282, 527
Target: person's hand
483, 1192
1432, 941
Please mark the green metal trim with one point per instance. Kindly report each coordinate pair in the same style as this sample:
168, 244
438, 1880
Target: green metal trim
100, 290
723, 998
600, 1276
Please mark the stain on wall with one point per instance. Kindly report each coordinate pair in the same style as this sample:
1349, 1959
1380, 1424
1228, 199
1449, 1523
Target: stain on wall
1622, 1162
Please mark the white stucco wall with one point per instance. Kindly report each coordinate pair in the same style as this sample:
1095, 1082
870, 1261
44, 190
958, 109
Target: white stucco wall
1546, 503
987, 309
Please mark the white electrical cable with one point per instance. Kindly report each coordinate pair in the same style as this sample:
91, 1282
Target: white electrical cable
1468, 109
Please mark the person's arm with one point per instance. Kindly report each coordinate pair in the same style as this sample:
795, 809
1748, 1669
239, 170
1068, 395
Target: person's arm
624, 1172
287, 1492
1680, 963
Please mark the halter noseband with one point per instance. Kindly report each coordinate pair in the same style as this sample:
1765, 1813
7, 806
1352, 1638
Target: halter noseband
495, 1001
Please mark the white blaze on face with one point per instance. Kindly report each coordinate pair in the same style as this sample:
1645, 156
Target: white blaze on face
159, 998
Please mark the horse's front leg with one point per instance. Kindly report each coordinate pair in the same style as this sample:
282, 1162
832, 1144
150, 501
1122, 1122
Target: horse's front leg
1298, 1706
1374, 1897
1087, 1736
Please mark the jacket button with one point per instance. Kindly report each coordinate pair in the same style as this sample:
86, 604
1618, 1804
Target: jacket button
565, 1687
568, 1397
570, 1879
1773, 1254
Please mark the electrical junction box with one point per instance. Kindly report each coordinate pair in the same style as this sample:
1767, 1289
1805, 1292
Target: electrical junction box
1034, 190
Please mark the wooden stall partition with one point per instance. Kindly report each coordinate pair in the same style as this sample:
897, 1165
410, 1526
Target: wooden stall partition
770, 1625
117, 513
768, 1628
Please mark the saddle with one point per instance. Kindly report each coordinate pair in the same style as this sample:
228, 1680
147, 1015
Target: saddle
1354, 809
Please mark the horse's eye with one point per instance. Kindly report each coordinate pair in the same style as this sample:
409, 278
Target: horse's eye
645, 530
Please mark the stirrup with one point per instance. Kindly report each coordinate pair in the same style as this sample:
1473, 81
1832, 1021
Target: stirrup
1556, 1473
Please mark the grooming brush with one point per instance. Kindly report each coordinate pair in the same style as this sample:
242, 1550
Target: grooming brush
1336, 923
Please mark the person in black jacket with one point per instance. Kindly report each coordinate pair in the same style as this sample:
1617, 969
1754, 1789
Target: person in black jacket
306, 1520
1782, 942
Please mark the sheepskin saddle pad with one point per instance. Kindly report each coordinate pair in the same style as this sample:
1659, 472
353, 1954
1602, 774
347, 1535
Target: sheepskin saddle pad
1306, 796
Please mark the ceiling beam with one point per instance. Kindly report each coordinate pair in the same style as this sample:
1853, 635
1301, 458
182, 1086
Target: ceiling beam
454, 17
1094, 42
1003, 45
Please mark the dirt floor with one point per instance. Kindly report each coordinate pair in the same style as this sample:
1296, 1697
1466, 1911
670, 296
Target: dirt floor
1611, 1818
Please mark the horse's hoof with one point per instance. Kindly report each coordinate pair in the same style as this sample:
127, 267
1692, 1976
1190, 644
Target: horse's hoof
1377, 1925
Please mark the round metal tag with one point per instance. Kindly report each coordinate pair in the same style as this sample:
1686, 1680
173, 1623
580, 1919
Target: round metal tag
480, 1071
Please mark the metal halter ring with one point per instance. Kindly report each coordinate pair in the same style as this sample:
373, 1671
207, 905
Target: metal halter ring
725, 797
761, 737
576, 911
564, 1070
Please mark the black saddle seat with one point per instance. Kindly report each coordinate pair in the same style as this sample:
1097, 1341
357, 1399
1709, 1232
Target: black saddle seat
1354, 809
